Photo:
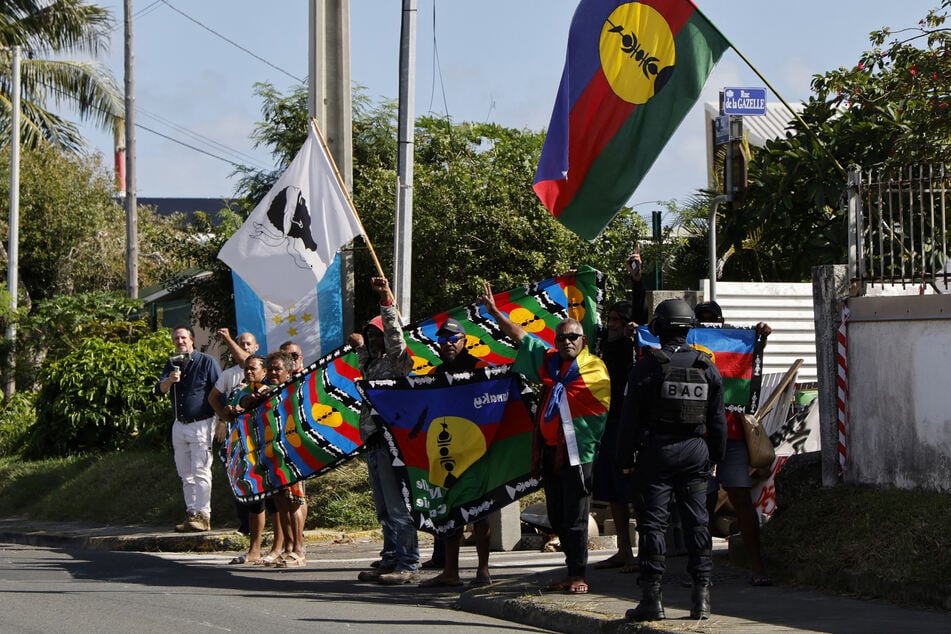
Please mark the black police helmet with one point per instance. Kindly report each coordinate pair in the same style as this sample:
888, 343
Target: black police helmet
670, 317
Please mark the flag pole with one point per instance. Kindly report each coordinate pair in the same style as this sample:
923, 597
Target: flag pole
773, 90
346, 193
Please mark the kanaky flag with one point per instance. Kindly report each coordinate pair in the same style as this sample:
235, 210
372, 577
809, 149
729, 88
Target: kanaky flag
632, 72
461, 444
285, 247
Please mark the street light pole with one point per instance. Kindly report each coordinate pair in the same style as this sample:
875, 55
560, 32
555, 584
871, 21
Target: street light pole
131, 213
13, 243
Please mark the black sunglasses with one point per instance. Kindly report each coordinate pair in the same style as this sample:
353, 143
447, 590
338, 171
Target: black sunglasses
568, 336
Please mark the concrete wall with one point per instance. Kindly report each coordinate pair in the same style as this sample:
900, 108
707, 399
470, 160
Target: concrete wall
899, 354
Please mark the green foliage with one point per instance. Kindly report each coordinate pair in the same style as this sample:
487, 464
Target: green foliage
72, 233
17, 415
100, 397
342, 499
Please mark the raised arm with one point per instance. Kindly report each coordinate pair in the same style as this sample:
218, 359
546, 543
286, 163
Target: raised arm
238, 354
512, 330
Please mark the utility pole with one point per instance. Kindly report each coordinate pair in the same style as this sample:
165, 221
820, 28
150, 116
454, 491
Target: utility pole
13, 243
403, 236
131, 209
331, 103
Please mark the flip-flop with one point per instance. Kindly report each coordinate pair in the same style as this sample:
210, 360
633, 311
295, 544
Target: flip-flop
577, 587
480, 583
291, 560
440, 582
240, 559
266, 560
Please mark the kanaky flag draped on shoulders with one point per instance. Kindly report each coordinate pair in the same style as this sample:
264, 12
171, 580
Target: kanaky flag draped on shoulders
287, 247
632, 72
461, 444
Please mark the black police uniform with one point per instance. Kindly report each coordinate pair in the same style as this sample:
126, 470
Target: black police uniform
673, 448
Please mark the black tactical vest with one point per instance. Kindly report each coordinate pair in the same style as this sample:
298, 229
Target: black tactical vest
682, 402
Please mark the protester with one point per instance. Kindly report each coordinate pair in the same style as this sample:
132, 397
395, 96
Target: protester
225, 387
293, 350
733, 474
383, 355
673, 428
617, 347
574, 405
254, 376
455, 357
188, 378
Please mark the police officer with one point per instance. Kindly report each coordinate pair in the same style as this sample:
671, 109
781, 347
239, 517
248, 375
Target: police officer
673, 430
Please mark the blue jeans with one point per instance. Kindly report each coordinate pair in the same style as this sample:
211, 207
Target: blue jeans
400, 545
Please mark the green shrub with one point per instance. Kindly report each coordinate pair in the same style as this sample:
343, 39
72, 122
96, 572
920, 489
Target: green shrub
100, 397
16, 417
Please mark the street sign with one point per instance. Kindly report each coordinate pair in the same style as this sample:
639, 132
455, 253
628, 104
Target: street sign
721, 130
744, 101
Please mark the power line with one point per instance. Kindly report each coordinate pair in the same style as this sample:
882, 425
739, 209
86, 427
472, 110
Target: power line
232, 42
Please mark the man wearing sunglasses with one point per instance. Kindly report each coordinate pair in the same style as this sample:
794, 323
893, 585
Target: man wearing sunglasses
574, 406
455, 357
293, 350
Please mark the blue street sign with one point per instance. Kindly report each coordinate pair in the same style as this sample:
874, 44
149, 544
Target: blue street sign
721, 130
744, 101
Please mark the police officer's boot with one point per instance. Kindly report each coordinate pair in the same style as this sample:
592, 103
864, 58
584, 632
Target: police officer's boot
700, 601
651, 607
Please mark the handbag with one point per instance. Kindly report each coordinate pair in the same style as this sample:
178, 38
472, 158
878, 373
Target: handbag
758, 444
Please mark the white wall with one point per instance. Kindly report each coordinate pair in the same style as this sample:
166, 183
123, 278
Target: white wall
899, 371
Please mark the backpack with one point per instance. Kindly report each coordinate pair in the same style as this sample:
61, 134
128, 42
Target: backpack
683, 392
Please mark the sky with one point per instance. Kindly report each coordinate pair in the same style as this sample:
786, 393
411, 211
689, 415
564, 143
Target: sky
490, 60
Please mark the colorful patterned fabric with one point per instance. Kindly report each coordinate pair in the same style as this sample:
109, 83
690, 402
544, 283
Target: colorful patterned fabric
461, 443
311, 425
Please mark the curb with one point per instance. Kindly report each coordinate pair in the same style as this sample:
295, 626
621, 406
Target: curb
529, 607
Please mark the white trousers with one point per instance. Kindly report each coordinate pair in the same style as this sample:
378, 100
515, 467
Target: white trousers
192, 445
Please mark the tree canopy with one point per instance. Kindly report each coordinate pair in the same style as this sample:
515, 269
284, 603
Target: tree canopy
49, 32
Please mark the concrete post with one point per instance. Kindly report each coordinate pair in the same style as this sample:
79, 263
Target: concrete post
506, 527
830, 286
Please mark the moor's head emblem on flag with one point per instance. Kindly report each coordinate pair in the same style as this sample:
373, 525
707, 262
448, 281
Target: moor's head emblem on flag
637, 52
288, 224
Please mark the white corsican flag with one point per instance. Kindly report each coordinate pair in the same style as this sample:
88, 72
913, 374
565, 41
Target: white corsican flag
285, 248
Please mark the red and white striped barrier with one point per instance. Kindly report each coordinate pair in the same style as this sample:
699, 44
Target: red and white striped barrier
842, 400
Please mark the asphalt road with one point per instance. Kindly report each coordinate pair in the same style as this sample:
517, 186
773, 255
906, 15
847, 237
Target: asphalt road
52, 590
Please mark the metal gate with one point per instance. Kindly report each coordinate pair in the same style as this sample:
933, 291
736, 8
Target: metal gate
898, 227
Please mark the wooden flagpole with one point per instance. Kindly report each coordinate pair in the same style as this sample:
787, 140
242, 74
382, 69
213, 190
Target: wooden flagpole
343, 188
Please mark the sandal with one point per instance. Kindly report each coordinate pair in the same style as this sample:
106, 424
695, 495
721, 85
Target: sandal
291, 560
577, 587
266, 560
758, 580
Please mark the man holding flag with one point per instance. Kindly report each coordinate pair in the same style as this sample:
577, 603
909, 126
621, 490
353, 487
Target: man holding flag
574, 406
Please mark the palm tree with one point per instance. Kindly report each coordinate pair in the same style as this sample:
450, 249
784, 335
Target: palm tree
49, 31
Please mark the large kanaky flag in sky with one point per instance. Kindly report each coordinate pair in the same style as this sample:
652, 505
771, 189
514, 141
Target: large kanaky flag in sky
285, 248
632, 72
